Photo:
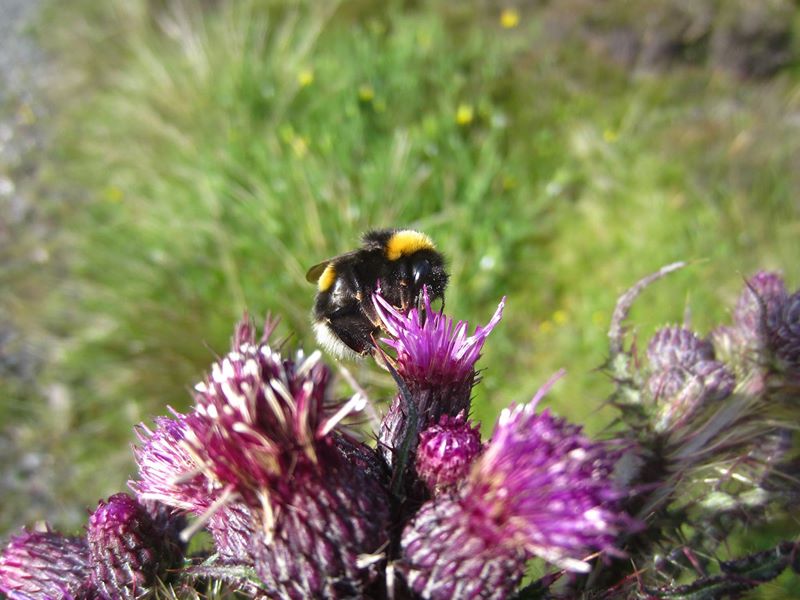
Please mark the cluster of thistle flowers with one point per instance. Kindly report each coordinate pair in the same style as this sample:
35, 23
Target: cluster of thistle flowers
299, 507
712, 418
685, 375
761, 349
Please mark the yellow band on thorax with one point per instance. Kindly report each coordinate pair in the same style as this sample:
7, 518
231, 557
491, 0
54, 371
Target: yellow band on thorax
406, 242
327, 278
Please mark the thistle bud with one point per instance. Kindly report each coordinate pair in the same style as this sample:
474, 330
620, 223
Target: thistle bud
446, 452
42, 565
672, 347
785, 336
759, 309
684, 376
128, 552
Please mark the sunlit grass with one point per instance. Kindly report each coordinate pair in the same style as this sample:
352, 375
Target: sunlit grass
211, 155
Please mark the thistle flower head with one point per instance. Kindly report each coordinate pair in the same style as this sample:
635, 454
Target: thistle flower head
233, 528
128, 552
40, 565
451, 552
549, 487
435, 358
304, 508
684, 376
432, 349
261, 419
785, 335
675, 346
540, 488
759, 308
168, 473
446, 451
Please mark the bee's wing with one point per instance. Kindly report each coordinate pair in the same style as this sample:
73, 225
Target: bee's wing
312, 276
314, 272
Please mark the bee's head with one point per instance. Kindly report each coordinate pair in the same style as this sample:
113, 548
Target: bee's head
427, 269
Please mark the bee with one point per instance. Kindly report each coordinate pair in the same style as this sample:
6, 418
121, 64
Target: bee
400, 261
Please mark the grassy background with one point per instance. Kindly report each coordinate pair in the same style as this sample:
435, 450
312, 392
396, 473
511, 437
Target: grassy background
203, 155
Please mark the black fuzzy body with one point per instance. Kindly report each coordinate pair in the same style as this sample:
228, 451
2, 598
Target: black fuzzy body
344, 316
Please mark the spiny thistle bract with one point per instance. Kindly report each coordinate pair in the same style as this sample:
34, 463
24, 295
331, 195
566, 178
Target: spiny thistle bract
271, 464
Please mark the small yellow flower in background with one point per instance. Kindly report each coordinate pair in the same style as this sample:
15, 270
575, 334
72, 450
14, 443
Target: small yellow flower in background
610, 136
509, 18
113, 194
366, 93
465, 114
560, 316
424, 40
299, 146
305, 77
298, 143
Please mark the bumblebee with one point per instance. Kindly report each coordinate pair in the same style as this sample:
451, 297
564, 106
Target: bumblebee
400, 261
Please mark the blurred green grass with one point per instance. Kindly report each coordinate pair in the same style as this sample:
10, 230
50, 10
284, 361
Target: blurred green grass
206, 154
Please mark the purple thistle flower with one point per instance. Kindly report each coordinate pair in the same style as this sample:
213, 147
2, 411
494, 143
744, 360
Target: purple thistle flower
446, 452
684, 377
785, 336
45, 565
128, 552
265, 431
435, 359
432, 349
759, 308
452, 551
671, 347
168, 473
540, 488
259, 417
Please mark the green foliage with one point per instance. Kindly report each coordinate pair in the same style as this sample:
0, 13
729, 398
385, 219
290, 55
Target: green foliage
211, 154
737, 576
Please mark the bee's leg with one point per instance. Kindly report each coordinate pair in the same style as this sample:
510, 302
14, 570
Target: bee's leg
353, 330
